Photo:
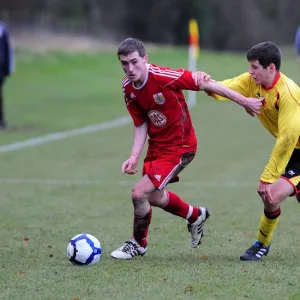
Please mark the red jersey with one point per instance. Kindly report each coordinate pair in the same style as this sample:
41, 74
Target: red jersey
160, 102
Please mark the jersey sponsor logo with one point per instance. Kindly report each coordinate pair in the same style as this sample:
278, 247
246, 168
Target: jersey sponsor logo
159, 98
292, 173
132, 95
157, 118
157, 177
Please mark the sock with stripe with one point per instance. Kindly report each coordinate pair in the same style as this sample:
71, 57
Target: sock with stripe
178, 207
267, 226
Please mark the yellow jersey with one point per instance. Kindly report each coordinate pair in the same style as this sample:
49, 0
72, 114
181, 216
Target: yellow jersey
280, 115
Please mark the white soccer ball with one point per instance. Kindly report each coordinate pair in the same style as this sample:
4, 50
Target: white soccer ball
84, 249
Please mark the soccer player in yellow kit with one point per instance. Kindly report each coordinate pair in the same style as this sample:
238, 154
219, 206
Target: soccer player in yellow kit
280, 115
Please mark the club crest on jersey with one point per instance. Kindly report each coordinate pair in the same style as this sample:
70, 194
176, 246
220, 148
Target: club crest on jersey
157, 118
159, 98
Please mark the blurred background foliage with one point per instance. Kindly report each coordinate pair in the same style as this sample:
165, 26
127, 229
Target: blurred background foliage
224, 25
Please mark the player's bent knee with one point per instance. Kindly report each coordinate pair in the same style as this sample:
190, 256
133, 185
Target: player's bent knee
138, 194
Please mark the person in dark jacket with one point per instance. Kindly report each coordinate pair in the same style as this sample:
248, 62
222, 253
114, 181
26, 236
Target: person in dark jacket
6, 67
297, 42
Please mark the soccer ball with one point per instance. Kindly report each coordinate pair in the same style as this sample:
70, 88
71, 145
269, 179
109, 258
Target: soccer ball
84, 249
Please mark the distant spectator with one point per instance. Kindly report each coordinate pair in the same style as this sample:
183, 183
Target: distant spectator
6, 67
297, 42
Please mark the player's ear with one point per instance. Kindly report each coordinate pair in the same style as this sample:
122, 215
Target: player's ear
146, 58
272, 68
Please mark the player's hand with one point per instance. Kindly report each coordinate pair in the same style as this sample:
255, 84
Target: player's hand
249, 111
200, 77
264, 191
128, 166
253, 106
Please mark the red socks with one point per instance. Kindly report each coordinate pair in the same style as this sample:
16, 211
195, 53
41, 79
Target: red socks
175, 206
140, 228
178, 207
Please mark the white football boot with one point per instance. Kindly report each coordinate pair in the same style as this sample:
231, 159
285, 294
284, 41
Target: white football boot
129, 250
196, 228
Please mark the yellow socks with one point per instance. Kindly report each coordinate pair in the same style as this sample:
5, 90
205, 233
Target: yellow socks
267, 225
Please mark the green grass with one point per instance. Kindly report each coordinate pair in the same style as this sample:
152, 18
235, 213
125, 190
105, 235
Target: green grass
57, 92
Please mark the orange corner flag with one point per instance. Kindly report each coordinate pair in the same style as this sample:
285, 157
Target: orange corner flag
194, 37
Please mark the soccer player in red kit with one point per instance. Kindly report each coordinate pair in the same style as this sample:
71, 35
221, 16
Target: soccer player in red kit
154, 99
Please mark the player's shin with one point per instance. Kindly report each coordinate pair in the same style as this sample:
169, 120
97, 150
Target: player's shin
140, 228
267, 226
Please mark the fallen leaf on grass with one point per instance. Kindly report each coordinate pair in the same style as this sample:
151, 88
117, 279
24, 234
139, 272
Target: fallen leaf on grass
189, 288
204, 256
21, 273
165, 279
245, 270
222, 245
26, 239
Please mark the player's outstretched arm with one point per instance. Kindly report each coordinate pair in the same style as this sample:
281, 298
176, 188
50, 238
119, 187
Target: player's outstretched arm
139, 139
252, 105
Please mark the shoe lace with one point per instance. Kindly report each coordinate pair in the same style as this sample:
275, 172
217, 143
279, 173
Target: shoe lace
253, 249
129, 247
192, 228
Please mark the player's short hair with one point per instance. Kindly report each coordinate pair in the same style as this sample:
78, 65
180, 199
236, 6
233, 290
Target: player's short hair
266, 53
130, 45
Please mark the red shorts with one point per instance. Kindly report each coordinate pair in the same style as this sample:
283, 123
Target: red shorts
164, 168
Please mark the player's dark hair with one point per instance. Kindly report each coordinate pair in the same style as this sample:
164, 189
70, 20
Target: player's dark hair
130, 45
266, 53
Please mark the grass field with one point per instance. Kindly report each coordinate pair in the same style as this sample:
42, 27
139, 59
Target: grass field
51, 192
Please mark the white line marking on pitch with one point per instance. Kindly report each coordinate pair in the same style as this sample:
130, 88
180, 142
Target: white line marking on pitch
64, 134
83, 182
